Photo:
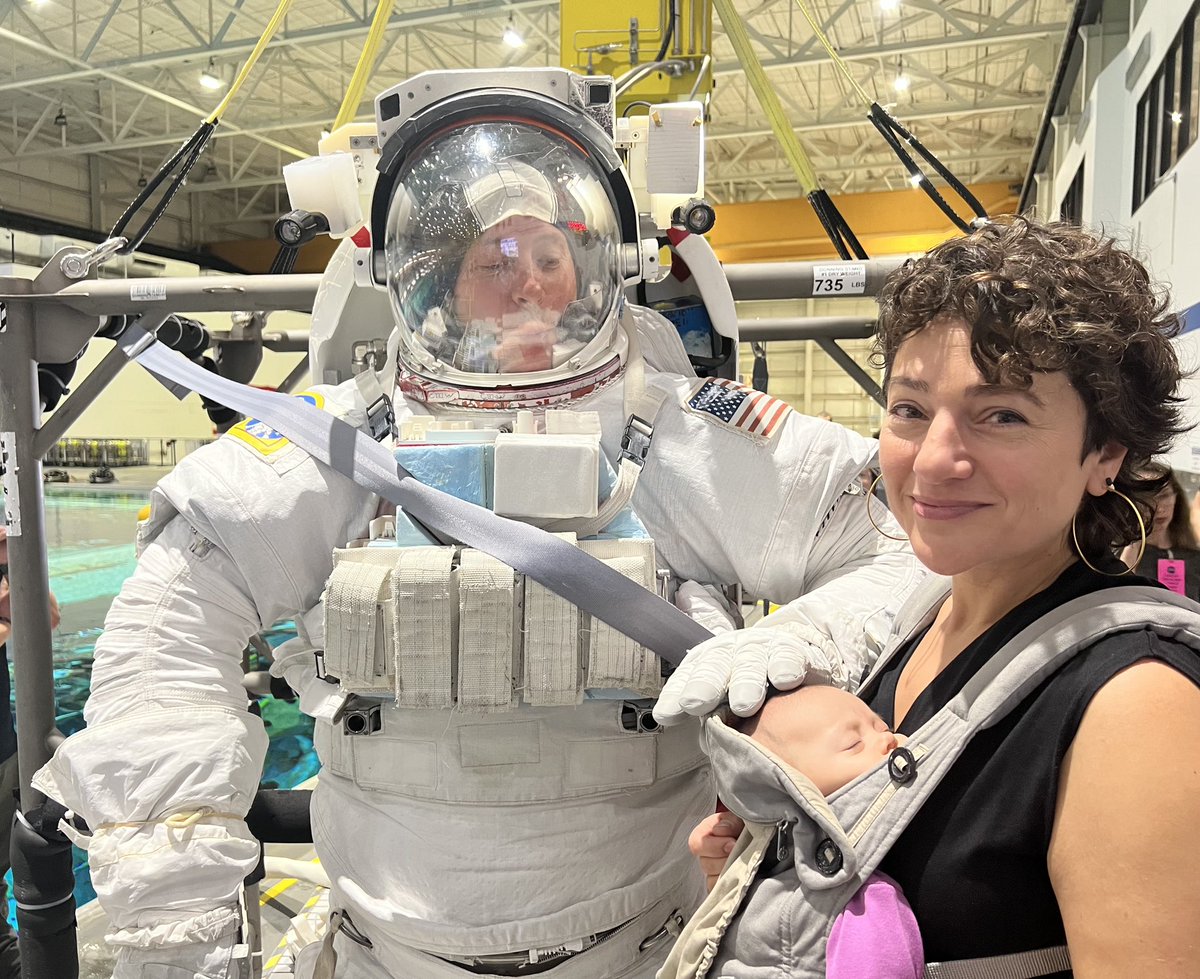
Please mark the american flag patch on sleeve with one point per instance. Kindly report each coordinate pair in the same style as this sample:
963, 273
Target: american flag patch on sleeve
750, 412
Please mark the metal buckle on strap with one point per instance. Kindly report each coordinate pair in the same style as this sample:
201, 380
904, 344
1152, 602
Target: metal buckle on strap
635, 443
381, 419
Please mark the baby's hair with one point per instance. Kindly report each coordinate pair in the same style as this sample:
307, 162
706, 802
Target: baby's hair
749, 725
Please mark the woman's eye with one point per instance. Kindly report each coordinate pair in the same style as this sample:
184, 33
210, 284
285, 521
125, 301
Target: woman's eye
1006, 417
904, 412
853, 747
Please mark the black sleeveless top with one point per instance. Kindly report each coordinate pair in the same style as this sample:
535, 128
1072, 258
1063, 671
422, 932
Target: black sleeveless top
972, 863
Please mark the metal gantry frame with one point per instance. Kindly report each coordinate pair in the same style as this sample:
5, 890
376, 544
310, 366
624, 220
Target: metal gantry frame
50, 318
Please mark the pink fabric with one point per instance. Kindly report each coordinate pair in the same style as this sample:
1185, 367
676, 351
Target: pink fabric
876, 936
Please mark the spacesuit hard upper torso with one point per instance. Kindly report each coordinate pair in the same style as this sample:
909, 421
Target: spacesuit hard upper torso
452, 832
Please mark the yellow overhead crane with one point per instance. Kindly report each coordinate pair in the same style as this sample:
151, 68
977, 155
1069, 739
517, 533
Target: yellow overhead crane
625, 40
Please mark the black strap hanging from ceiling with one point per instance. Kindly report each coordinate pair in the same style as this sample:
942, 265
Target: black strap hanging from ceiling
844, 240
180, 163
893, 132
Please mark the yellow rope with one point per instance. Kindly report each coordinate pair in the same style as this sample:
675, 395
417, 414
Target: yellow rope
837, 58
735, 30
362, 71
268, 33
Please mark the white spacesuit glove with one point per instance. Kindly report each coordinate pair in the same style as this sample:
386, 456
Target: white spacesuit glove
742, 665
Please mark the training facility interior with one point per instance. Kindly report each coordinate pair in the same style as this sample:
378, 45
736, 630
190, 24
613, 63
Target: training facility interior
1085, 111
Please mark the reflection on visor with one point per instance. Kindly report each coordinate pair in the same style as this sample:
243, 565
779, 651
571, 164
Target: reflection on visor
502, 251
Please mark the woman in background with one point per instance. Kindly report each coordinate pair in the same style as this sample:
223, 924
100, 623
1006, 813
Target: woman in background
1172, 555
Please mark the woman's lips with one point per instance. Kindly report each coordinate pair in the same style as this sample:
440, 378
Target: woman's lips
945, 510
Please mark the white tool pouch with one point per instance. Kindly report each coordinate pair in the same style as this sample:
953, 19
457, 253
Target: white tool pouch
441, 627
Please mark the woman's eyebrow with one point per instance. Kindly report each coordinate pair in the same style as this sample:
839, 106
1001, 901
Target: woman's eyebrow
983, 390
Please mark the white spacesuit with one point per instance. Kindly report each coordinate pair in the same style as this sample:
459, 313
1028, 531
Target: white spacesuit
508, 840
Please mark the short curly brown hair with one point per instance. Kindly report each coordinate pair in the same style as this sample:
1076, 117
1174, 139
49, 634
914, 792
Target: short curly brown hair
1055, 297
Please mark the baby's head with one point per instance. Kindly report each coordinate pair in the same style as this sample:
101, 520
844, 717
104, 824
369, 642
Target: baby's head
824, 733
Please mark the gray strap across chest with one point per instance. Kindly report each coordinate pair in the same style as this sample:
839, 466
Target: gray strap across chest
582, 580
1012, 673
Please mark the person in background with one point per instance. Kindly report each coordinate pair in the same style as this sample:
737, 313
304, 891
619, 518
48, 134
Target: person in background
10, 958
1172, 556
825, 416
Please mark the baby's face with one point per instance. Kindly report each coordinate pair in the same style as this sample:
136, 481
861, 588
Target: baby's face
825, 733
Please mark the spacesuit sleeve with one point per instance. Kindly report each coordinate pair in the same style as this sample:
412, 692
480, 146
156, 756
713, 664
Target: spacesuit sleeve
856, 580
170, 760
780, 512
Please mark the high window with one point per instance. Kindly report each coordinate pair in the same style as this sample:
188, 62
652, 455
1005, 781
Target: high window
1071, 208
1168, 113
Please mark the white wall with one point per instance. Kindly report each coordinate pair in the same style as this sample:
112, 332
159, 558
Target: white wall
1164, 231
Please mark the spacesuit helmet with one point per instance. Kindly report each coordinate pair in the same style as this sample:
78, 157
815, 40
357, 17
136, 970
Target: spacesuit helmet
502, 252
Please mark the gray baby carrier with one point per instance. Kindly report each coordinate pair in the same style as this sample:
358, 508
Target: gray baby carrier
802, 857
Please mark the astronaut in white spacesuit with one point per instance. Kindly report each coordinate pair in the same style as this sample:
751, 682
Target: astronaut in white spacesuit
537, 834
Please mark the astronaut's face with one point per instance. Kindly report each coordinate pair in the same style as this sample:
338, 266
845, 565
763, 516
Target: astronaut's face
516, 280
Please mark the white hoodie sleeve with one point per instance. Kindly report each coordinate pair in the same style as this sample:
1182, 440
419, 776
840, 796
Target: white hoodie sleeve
171, 758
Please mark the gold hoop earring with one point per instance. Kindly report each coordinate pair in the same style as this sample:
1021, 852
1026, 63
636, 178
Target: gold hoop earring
1141, 526
870, 496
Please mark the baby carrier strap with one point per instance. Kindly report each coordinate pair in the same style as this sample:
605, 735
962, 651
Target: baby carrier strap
913, 616
837, 843
1019, 965
1018, 668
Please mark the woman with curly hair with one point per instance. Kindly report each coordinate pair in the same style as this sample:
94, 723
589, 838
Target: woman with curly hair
1030, 379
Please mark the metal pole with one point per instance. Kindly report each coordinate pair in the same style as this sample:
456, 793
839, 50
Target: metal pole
848, 364
89, 389
30, 644
794, 280
807, 328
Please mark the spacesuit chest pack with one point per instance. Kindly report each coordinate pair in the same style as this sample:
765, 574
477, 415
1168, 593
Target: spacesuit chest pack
436, 626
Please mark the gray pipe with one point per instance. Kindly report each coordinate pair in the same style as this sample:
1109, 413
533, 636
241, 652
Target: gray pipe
794, 280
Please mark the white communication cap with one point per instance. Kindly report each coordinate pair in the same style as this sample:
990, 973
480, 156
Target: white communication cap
512, 189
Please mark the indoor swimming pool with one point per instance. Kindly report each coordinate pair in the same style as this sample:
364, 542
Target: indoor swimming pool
90, 537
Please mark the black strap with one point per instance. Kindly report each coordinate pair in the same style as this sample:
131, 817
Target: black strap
182, 160
893, 132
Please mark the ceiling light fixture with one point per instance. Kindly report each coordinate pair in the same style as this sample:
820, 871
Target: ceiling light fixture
210, 79
511, 36
888, 5
1176, 117
915, 179
901, 82
141, 182
60, 120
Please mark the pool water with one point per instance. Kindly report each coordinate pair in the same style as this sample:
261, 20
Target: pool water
90, 549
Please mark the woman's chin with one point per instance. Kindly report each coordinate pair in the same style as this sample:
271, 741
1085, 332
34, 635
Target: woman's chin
942, 560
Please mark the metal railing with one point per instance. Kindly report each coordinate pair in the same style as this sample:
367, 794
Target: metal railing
115, 453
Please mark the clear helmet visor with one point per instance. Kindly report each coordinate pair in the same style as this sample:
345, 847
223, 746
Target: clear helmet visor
502, 251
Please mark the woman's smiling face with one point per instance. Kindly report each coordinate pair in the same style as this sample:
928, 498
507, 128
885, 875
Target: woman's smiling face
980, 474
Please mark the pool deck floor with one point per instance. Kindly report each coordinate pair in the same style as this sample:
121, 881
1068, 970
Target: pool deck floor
129, 479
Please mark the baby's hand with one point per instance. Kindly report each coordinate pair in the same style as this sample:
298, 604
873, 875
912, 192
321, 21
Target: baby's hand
711, 842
